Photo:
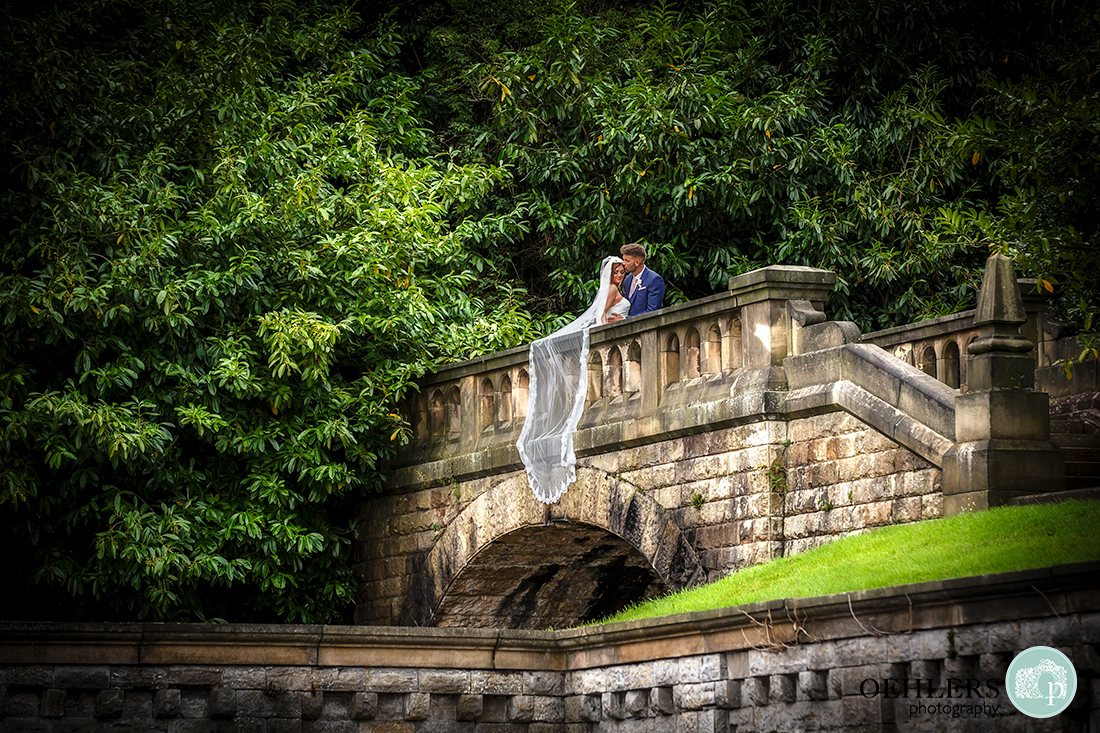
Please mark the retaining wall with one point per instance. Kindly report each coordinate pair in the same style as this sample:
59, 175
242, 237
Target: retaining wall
836, 663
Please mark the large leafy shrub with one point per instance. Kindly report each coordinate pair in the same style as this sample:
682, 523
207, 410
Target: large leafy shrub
229, 248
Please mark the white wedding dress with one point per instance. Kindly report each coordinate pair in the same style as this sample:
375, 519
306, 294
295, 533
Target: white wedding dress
622, 308
557, 390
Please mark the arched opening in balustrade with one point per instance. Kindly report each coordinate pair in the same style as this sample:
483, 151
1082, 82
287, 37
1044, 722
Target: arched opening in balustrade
487, 400
928, 360
734, 349
692, 354
712, 351
671, 361
522, 393
418, 415
950, 375
613, 373
504, 401
632, 368
964, 363
595, 377
437, 418
454, 411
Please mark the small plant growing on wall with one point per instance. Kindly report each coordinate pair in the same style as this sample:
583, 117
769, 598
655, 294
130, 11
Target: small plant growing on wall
697, 500
777, 472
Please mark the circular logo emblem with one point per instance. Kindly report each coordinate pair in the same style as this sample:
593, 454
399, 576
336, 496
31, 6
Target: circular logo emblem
1041, 682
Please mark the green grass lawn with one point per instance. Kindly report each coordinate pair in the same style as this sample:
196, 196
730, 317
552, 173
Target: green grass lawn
994, 541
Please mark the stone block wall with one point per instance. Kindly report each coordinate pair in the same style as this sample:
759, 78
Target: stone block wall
739, 495
837, 663
844, 477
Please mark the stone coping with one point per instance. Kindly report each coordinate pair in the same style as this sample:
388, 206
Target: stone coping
921, 329
759, 626
777, 282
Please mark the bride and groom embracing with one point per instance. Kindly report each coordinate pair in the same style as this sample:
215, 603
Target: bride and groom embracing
645, 289
557, 368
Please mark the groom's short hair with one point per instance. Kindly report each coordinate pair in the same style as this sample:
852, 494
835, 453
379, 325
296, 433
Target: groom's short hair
633, 249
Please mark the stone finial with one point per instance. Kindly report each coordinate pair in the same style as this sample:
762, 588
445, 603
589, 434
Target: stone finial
999, 300
1000, 358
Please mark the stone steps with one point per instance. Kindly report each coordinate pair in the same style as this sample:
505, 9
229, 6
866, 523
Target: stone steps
1082, 452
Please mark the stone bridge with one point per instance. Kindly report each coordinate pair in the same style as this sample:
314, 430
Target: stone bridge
718, 434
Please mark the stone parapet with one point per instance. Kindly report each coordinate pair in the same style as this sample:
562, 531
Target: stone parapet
638, 369
938, 346
833, 663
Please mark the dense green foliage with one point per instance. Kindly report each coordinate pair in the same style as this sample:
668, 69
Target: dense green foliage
881, 141
234, 234
232, 252
997, 541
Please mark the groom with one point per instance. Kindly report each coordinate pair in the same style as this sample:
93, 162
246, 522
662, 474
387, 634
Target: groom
644, 288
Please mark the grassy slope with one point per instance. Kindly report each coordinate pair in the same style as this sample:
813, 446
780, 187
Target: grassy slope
995, 541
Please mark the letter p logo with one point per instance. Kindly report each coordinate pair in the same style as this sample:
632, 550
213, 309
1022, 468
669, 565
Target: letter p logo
1037, 674
1061, 692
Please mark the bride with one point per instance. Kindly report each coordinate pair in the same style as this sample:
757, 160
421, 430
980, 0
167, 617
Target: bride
617, 307
558, 388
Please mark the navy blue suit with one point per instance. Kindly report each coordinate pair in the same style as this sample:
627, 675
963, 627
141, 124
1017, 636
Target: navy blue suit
649, 296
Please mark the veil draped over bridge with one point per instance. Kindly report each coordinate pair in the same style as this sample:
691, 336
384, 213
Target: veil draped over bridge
557, 391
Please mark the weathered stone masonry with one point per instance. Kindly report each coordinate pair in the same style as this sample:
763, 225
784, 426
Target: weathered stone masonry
719, 434
778, 666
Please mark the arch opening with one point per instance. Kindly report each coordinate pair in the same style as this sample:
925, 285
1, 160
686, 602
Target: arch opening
633, 531
928, 361
538, 577
595, 378
950, 375
692, 367
672, 361
613, 373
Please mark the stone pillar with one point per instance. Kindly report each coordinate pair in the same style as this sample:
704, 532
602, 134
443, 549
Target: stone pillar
1002, 426
768, 328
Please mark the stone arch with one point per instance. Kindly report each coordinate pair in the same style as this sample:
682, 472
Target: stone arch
733, 348
488, 405
613, 383
951, 374
692, 354
418, 415
928, 360
523, 391
453, 418
595, 377
712, 350
504, 400
964, 357
597, 501
437, 415
632, 368
671, 360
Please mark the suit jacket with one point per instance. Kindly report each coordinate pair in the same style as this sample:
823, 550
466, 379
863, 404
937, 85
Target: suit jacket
649, 296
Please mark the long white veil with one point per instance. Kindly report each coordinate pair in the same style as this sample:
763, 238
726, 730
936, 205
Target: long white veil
557, 391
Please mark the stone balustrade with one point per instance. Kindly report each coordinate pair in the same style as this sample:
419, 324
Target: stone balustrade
938, 346
637, 368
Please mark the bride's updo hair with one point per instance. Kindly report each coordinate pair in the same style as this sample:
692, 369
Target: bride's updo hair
633, 249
